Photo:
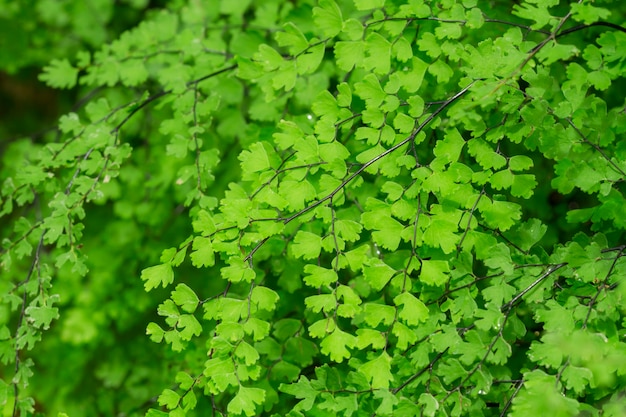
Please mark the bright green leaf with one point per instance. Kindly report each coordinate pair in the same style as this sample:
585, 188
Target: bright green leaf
413, 310
378, 371
185, 297
157, 275
246, 401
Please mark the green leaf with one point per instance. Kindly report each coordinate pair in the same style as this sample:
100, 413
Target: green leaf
308, 62
453, 370
285, 328
413, 310
537, 13
258, 329
70, 123
318, 276
247, 353
520, 163
588, 13
268, 58
349, 54
404, 334
577, 378
378, 52
306, 245
367, 337
378, 273
387, 230
59, 74
293, 38
327, 16
265, 298
336, 345
485, 155
523, 186
378, 371
169, 399
246, 400
221, 374
369, 89
411, 81
348, 230
442, 231
155, 332
403, 123
402, 50
548, 352
475, 18
238, 270
285, 77
502, 179
190, 327
321, 302
599, 79
42, 316
301, 351
184, 380
157, 275
379, 313
488, 319
441, 70
528, 234
186, 298
297, 193
500, 214
256, 158
449, 149
434, 272
540, 394
302, 390
430, 403
499, 258
203, 253
351, 301
133, 73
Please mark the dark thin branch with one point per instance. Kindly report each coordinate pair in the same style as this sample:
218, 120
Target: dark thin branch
372, 161
519, 386
581, 27
418, 374
469, 220
139, 107
166, 92
484, 358
604, 285
366, 165
508, 306
518, 25
76, 172
535, 50
596, 147
211, 75
86, 99
34, 265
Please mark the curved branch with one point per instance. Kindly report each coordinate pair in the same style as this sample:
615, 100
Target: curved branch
581, 27
372, 161
162, 93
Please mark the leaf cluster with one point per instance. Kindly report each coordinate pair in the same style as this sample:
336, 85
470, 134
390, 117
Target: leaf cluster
359, 208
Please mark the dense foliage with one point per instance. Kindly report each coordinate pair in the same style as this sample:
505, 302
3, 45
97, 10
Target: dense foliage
317, 208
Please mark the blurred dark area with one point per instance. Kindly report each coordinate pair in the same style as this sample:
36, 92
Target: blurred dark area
34, 33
